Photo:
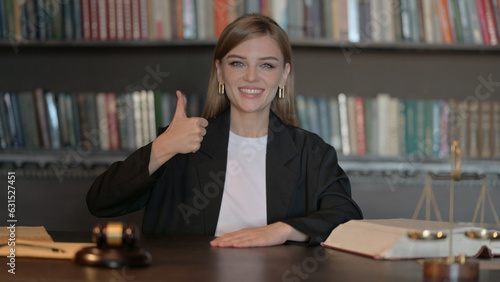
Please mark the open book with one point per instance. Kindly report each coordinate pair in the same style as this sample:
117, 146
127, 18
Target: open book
35, 241
388, 239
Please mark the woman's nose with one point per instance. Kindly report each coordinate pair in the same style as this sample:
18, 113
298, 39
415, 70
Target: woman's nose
251, 75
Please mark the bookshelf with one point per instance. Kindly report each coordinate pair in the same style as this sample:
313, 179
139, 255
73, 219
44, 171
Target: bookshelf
323, 67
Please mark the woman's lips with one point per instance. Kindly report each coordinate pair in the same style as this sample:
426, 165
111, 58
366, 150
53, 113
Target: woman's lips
251, 92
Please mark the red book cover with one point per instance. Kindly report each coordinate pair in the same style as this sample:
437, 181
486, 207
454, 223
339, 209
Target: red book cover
444, 21
481, 12
94, 20
111, 19
490, 21
112, 114
359, 110
120, 23
220, 16
85, 8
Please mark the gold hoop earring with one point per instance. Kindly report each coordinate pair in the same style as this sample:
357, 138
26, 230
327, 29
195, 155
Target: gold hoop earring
281, 92
221, 89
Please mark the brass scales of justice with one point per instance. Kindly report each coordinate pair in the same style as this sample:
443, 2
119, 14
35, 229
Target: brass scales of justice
453, 267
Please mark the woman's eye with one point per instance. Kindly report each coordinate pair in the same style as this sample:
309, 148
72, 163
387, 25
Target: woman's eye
236, 64
267, 65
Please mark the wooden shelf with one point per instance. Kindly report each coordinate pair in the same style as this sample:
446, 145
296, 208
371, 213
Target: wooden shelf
67, 157
405, 165
296, 44
108, 44
413, 165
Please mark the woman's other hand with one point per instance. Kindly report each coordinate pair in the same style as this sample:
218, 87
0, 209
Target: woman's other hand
269, 235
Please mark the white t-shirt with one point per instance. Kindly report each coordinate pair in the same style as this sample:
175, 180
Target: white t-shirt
244, 198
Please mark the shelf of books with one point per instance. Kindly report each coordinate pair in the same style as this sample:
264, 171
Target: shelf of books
474, 22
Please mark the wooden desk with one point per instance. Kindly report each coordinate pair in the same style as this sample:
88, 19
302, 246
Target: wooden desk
192, 259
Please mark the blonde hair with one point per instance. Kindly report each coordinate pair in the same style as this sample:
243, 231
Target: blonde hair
245, 28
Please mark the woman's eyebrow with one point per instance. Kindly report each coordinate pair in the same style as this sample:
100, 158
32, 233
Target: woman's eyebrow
262, 59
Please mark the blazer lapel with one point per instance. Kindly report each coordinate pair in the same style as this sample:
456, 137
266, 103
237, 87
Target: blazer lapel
211, 168
281, 175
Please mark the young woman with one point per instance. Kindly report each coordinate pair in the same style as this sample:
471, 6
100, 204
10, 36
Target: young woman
243, 172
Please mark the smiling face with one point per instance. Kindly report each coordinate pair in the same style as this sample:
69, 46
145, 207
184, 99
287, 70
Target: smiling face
252, 73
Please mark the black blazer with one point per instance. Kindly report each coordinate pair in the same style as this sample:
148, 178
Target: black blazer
306, 188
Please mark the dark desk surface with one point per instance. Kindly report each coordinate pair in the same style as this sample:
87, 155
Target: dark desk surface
192, 259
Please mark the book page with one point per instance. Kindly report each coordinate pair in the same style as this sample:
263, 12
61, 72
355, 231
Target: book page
33, 233
35, 241
364, 237
387, 239
38, 249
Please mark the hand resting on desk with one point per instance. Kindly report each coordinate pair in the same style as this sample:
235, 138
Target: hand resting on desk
269, 235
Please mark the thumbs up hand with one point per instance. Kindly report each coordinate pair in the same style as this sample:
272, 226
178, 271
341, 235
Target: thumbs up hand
183, 136
186, 132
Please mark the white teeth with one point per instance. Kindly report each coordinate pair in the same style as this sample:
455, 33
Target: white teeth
251, 91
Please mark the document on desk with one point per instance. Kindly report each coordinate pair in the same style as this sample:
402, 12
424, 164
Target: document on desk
388, 239
34, 241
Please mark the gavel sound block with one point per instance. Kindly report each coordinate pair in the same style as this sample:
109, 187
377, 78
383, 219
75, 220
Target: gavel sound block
116, 247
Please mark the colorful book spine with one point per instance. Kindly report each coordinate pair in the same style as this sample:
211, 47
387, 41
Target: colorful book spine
344, 124
383, 110
28, 119
490, 21
302, 112
43, 129
444, 21
112, 121
392, 146
445, 113
353, 28
401, 126
143, 19
14, 121
359, 108
312, 110
53, 120
411, 127
473, 134
136, 97
220, 16
485, 129
436, 127
336, 139
351, 123
111, 19
483, 22
324, 119
85, 17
